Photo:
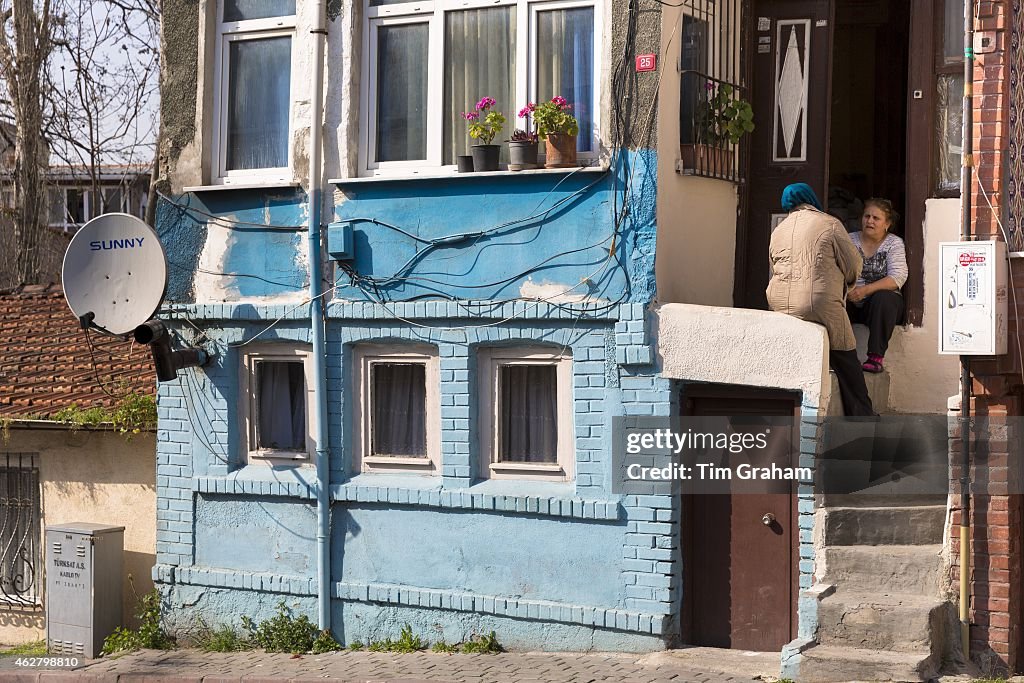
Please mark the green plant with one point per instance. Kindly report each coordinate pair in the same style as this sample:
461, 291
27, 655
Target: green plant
444, 648
486, 644
407, 642
553, 118
223, 638
33, 649
355, 645
285, 633
132, 414
722, 116
484, 129
149, 635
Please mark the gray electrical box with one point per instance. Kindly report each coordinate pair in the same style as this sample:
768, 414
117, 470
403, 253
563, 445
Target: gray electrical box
83, 586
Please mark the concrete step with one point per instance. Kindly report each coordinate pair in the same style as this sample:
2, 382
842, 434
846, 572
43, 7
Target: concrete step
907, 569
873, 499
880, 621
911, 525
878, 390
833, 663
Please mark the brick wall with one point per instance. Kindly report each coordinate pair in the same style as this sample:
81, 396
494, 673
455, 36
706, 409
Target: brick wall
997, 509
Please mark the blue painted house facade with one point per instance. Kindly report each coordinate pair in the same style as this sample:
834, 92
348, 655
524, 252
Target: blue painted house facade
473, 337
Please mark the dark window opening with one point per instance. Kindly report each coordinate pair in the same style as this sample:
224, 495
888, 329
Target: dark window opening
398, 411
281, 406
528, 414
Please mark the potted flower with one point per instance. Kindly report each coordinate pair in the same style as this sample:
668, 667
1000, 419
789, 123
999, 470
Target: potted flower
522, 146
721, 119
484, 124
559, 129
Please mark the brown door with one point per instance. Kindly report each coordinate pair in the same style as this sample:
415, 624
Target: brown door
740, 549
790, 67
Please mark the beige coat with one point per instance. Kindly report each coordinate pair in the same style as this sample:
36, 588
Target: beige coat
814, 264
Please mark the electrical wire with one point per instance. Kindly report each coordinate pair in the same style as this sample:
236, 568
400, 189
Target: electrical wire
232, 222
95, 367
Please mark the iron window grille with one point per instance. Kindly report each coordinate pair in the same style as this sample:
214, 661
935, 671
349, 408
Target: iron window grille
20, 515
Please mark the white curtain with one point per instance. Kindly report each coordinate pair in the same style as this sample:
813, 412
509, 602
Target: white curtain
399, 421
402, 92
565, 64
480, 60
259, 97
282, 405
242, 10
529, 413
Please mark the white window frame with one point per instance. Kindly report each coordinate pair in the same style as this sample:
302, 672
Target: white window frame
489, 361
365, 356
432, 13
247, 395
229, 32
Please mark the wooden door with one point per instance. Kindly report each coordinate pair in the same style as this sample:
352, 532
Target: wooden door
790, 68
740, 571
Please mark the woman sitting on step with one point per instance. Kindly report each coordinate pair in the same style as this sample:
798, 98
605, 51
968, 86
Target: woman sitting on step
876, 301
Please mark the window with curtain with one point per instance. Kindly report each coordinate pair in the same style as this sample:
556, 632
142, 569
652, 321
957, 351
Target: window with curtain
528, 414
427, 63
254, 90
565, 64
398, 423
479, 60
949, 90
281, 406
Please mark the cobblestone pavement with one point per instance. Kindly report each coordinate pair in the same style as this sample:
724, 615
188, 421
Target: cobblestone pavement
193, 666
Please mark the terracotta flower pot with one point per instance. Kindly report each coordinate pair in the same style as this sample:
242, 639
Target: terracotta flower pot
560, 151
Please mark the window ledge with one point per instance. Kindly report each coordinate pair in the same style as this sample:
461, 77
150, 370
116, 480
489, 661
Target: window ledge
1016, 254
431, 175
254, 185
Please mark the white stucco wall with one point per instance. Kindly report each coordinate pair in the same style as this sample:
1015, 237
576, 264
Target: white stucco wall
744, 347
696, 217
921, 379
91, 476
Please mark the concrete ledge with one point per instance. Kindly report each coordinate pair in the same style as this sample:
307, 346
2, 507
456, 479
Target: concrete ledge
258, 581
539, 610
744, 347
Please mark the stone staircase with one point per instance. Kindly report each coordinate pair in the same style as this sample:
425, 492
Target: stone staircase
880, 614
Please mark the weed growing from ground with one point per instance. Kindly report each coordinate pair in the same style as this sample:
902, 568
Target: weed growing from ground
483, 645
150, 633
285, 633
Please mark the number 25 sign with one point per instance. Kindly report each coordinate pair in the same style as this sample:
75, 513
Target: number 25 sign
645, 62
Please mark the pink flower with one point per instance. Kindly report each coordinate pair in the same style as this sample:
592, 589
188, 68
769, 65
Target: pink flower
485, 103
470, 115
709, 86
561, 102
527, 110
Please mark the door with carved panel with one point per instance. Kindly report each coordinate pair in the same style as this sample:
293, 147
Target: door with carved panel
790, 67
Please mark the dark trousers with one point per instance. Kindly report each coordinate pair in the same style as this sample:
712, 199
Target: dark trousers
852, 388
881, 312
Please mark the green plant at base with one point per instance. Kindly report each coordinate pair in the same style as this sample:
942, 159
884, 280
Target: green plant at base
486, 645
407, 642
355, 645
223, 638
149, 635
444, 648
285, 633
33, 649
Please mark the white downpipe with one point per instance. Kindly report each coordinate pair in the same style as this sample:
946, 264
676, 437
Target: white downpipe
318, 322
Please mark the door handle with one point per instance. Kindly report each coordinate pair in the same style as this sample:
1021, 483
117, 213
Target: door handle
768, 519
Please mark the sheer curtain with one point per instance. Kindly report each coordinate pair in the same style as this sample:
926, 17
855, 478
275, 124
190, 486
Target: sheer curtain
259, 97
242, 10
399, 420
565, 64
402, 92
281, 396
480, 58
529, 414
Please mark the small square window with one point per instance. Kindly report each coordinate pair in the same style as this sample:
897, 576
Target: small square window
397, 409
526, 425
277, 390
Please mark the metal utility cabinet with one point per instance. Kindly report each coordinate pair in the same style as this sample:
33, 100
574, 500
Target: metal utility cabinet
83, 586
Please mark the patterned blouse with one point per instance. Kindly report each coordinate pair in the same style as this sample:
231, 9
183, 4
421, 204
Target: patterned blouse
890, 259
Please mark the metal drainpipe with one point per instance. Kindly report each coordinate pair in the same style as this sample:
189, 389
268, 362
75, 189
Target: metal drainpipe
318, 323
965, 361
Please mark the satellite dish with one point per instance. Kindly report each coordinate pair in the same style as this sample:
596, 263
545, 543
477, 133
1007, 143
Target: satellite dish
115, 273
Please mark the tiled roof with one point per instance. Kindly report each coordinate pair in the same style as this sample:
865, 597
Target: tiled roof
45, 364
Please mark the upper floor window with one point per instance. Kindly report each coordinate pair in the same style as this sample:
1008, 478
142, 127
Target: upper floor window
949, 92
253, 77
425, 63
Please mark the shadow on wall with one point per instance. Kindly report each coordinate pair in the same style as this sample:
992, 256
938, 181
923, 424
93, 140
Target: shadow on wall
19, 625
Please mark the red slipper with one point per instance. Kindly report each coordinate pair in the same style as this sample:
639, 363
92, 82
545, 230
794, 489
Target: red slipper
873, 365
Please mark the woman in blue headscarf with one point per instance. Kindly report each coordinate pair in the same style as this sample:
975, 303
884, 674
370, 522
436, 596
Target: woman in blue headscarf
814, 264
